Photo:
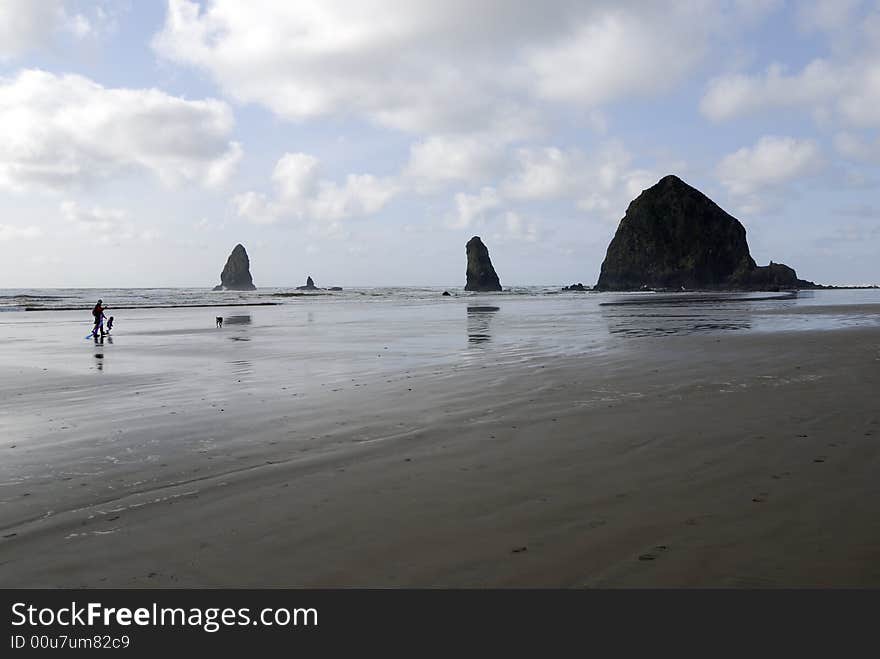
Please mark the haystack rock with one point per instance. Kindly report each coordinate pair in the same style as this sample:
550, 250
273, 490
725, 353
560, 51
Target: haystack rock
236, 275
481, 275
675, 237
310, 285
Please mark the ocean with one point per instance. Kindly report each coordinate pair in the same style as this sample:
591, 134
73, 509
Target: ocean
355, 330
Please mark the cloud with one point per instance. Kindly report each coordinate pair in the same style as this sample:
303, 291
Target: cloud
548, 173
736, 95
445, 67
256, 208
296, 176
441, 159
96, 218
300, 193
826, 15
9, 232
27, 25
767, 167
614, 54
63, 131
472, 208
601, 182
105, 225
858, 147
860, 211
844, 88
517, 229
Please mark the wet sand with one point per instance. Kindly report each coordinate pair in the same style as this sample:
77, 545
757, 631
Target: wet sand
728, 459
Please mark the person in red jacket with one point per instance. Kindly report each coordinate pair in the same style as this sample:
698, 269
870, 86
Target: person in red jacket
98, 313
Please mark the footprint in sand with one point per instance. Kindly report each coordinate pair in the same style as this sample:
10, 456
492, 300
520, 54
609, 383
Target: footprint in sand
654, 554
761, 498
821, 458
519, 550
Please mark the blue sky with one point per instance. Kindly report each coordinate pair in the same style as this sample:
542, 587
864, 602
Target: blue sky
364, 143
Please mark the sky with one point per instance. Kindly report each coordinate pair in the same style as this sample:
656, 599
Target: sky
363, 143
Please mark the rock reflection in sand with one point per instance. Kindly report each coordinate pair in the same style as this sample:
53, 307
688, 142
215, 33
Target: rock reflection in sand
479, 319
681, 314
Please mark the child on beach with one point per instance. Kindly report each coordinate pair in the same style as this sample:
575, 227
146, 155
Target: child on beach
109, 324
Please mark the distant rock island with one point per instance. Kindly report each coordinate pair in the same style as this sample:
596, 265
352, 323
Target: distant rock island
310, 285
236, 275
674, 237
481, 276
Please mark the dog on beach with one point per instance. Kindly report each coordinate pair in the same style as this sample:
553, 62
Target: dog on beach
219, 321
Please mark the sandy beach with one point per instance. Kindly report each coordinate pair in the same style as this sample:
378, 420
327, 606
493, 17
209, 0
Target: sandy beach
410, 455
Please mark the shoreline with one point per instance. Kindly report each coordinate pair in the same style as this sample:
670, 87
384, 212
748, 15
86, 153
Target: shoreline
164, 306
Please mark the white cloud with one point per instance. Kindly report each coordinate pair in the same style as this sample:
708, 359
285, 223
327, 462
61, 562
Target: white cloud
471, 208
601, 182
840, 89
360, 195
96, 218
617, 53
766, 167
447, 67
442, 159
10, 232
736, 95
302, 194
518, 229
105, 225
256, 208
858, 147
296, 176
826, 15
548, 173
27, 25
63, 131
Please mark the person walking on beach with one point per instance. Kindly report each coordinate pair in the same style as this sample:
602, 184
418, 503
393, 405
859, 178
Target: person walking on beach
98, 313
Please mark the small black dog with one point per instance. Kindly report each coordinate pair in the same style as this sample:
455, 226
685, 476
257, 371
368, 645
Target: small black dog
219, 321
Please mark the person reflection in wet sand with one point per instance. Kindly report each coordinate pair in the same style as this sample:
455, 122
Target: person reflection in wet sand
479, 319
99, 355
99, 341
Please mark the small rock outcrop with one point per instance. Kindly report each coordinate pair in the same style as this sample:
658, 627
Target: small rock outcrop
236, 275
447, 294
771, 277
575, 287
674, 237
481, 276
310, 285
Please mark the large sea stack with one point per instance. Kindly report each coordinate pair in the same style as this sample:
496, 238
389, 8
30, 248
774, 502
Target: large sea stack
481, 275
673, 237
236, 275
